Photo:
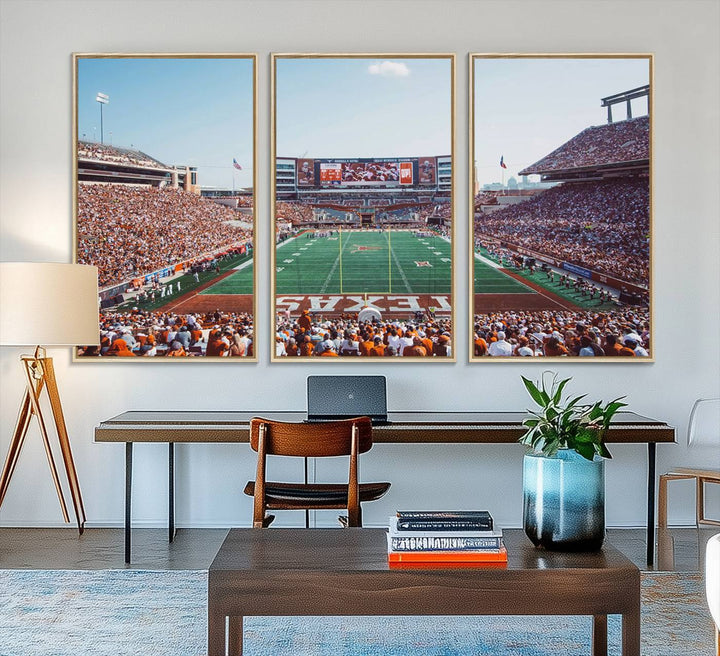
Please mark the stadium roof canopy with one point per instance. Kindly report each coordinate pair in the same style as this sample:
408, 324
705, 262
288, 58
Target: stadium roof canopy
598, 151
115, 153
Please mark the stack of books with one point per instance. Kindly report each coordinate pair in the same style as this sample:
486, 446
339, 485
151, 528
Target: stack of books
445, 538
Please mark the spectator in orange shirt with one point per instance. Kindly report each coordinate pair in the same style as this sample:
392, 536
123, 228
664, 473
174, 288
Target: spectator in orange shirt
119, 348
329, 351
481, 346
427, 345
366, 344
217, 346
176, 350
304, 321
306, 348
378, 348
416, 349
555, 348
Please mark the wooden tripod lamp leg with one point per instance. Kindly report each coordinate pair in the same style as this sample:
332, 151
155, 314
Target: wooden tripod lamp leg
39, 374
35, 381
16, 443
64, 440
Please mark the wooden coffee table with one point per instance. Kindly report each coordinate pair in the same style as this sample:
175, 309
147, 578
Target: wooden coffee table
275, 572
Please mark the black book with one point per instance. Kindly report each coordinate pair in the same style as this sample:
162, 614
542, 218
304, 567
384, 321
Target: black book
441, 520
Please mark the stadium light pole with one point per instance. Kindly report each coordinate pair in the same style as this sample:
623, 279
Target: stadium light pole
102, 99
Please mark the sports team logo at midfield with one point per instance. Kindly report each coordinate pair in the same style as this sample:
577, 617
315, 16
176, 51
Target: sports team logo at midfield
357, 248
363, 222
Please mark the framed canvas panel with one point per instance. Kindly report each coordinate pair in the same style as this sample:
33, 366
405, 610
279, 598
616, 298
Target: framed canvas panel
363, 207
164, 203
561, 207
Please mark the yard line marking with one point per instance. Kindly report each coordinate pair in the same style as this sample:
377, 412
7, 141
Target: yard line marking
246, 263
402, 272
485, 260
283, 243
334, 267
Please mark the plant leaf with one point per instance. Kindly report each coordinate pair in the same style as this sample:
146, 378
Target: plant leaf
558, 392
534, 392
586, 451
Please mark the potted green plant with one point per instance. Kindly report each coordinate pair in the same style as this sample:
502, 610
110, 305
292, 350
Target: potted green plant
564, 467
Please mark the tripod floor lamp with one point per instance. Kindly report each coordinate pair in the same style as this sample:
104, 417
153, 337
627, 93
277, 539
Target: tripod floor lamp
46, 304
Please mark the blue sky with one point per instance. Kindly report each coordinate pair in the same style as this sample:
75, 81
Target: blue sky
527, 107
195, 111
363, 107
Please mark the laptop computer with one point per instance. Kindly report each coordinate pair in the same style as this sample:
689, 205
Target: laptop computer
330, 398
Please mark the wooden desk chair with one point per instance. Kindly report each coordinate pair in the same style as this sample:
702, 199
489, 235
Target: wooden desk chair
349, 437
703, 428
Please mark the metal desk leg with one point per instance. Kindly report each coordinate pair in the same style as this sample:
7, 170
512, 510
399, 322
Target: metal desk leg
128, 497
651, 505
171, 491
307, 512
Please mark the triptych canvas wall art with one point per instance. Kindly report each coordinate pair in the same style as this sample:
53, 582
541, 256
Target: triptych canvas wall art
363, 220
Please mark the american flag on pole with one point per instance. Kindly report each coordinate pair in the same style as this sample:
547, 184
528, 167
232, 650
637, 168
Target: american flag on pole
237, 165
502, 162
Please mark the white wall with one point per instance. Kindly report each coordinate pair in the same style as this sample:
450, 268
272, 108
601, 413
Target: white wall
37, 38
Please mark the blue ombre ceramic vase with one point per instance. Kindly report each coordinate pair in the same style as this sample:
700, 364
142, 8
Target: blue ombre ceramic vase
564, 501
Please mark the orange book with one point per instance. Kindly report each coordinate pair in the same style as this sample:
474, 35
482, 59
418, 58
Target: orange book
486, 556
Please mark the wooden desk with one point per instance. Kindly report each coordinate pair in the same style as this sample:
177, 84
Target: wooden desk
206, 426
345, 572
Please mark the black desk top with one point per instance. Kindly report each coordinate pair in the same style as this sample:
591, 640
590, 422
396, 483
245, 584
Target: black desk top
404, 426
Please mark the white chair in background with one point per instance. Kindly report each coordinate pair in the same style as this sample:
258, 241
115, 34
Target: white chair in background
703, 430
712, 584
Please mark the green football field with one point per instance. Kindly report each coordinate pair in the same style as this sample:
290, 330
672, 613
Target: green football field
489, 280
388, 262
238, 282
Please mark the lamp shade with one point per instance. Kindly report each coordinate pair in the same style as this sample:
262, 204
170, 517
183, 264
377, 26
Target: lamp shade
48, 304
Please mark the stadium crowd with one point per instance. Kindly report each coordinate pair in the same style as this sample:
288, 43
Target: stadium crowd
130, 231
603, 226
563, 333
152, 334
350, 337
623, 141
293, 212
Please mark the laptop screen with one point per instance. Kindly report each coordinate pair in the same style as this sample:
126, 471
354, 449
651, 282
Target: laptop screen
340, 397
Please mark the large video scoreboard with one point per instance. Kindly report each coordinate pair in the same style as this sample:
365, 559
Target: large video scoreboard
362, 172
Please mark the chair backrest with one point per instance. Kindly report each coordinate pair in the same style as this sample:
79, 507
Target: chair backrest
311, 440
704, 423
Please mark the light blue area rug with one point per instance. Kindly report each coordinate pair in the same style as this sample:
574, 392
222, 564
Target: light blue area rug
131, 612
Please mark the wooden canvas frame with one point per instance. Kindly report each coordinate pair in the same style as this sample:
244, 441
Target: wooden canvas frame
512, 77
200, 112
287, 307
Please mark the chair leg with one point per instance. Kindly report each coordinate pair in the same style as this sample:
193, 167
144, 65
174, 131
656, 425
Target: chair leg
699, 501
662, 501
354, 517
